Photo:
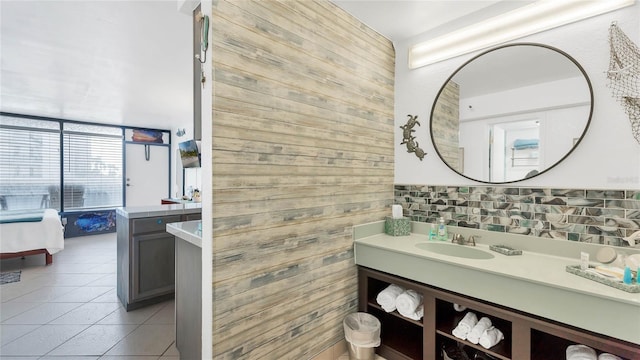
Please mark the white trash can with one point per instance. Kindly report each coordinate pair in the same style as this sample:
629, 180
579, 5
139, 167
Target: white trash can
362, 332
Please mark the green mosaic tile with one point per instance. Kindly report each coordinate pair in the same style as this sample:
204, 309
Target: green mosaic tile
397, 227
495, 227
571, 214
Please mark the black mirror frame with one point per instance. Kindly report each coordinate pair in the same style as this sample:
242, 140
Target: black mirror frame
574, 61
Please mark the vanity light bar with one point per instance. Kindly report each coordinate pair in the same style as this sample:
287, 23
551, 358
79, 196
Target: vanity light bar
530, 19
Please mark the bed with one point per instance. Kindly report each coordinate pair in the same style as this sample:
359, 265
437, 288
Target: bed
25, 233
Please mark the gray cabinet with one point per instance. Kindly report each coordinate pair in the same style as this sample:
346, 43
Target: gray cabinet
152, 265
145, 259
188, 299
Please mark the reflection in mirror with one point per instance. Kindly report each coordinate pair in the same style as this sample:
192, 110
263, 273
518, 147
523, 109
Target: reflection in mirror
511, 113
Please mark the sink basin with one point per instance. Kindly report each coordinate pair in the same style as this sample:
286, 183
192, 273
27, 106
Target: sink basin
462, 251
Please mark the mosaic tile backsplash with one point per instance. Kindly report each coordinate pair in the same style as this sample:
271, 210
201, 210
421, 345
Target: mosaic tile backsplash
593, 216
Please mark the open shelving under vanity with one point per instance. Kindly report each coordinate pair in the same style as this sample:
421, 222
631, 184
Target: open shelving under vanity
526, 336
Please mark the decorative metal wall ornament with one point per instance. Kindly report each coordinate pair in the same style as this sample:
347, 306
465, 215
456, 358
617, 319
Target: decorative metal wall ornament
409, 139
624, 75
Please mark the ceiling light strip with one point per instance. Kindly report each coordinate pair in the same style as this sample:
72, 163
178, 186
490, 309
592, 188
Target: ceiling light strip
530, 19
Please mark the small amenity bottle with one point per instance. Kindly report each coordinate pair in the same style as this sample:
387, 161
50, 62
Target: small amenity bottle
433, 232
627, 276
442, 230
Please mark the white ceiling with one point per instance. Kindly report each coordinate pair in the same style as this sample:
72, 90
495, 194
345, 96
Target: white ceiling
401, 19
117, 62
129, 62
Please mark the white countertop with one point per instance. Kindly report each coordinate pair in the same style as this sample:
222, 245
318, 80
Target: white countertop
190, 231
533, 282
133, 212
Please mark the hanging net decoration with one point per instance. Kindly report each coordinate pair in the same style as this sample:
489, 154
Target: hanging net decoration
624, 75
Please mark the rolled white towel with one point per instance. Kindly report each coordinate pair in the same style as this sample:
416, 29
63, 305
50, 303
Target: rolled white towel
409, 304
581, 352
459, 308
387, 297
607, 356
476, 332
465, 325
491, 337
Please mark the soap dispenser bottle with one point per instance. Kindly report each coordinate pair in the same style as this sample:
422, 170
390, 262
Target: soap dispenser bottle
442, 230
433, 232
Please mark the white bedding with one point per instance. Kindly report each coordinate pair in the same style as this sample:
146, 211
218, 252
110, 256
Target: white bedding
25, 236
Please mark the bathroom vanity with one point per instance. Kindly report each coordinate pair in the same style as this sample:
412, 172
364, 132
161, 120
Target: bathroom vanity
540, 308
145, 252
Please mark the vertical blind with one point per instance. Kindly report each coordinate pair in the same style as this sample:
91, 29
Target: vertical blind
31, 165
92, 166
29, 162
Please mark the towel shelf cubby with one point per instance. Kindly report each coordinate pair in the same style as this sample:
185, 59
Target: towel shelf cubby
526, 337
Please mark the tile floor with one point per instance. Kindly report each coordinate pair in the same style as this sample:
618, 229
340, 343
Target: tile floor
69, 309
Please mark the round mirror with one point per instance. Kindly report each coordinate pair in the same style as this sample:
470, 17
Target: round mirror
511, 113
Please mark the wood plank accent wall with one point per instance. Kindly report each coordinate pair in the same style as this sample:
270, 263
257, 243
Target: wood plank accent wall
446, 125
302, 151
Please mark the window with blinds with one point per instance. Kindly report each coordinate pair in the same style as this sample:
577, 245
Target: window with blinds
92, 166
29, 162
60, 165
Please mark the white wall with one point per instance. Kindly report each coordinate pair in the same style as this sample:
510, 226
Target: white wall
607, 158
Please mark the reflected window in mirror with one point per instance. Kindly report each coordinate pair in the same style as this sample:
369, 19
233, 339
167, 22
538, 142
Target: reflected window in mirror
511, 113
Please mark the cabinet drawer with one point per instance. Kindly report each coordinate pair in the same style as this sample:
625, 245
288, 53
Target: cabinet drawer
190, 217
153, 224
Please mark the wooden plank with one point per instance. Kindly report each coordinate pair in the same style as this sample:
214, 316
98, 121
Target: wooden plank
235, 238
292, 217
223, 182
236, 194
306, 111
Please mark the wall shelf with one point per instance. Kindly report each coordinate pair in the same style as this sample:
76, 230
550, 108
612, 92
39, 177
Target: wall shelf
518, 158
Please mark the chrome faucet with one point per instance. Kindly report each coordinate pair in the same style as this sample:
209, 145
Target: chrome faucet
458, 238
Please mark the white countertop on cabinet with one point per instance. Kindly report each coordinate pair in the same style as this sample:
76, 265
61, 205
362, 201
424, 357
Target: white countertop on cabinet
190, 231
133, 212
534, 282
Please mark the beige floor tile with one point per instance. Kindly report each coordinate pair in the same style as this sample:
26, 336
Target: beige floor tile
41, 340
172, 351
14, 290
45, 294
12, 308
166, 315
65, 357
105, 280
71, 268
42, 314
83, 294
11, 332
107, 268
110, 296
88, 314
134, 317
146, 340
128, 357
94, 340
74, 279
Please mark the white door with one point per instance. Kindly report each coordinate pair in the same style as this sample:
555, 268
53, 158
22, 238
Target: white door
146, 174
